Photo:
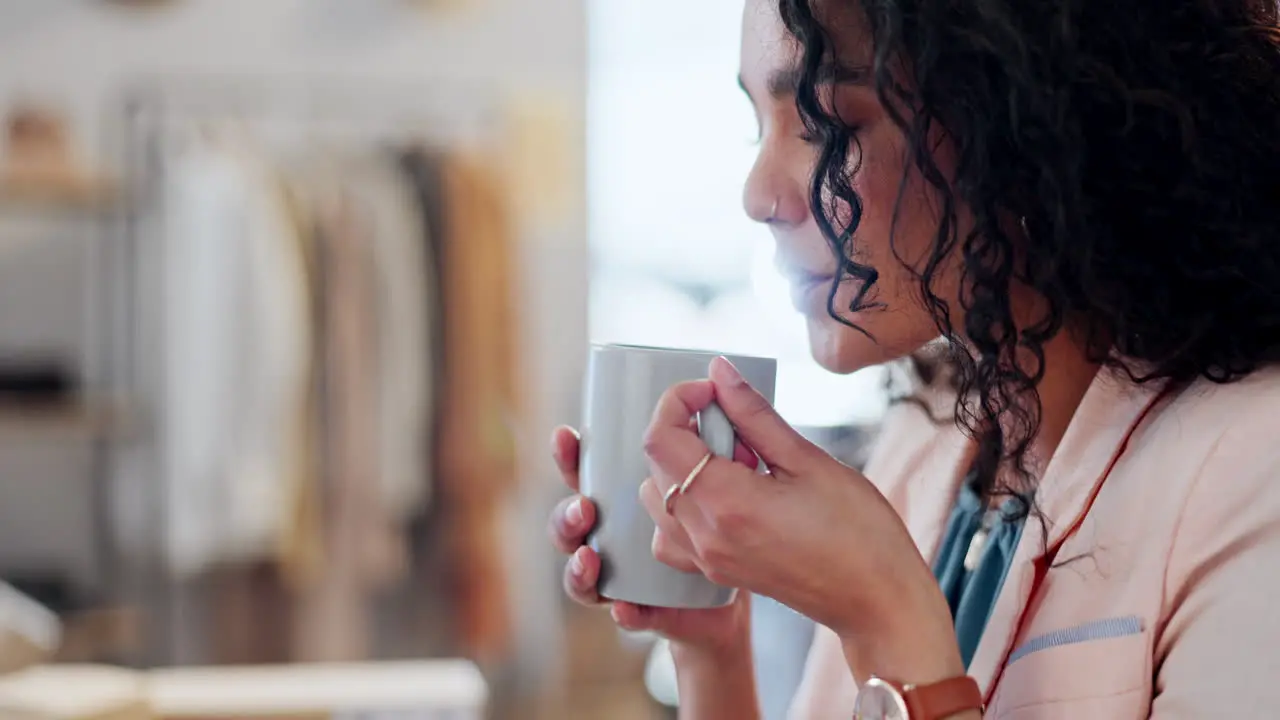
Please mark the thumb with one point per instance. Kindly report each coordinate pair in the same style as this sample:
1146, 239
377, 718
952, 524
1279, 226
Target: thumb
756, 422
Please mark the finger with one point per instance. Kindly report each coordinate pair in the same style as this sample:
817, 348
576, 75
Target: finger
637, 618
743, 455
755, 420
675, 420
581, 575
680, 405
571, 521
671, 544
671, 442
564, 449
652, 499
673, 457
671, 553
629, 616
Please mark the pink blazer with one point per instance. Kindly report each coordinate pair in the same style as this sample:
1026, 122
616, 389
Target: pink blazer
1171, 606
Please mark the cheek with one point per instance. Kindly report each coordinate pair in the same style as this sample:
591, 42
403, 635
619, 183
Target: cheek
905, 324
893, 246
898, 220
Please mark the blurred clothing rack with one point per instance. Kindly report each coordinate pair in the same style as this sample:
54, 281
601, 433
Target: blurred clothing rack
301, 110
438, 111
288, 114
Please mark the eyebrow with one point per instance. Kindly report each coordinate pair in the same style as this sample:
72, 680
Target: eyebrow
784, 83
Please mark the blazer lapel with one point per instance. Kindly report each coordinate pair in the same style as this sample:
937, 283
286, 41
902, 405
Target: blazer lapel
1094, 438
926, 461
931, 503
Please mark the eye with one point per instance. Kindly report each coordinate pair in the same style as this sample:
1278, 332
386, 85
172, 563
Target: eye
848, 134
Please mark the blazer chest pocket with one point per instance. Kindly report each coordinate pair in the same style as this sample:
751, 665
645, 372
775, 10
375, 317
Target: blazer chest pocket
1097, 669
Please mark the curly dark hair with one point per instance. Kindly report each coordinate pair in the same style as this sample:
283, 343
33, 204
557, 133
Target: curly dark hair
1136, 141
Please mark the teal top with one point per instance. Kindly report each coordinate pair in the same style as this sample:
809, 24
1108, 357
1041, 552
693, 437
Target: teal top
972, 593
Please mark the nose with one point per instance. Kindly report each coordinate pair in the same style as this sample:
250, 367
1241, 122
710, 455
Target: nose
773, 195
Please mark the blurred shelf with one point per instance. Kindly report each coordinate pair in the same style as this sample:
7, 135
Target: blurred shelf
80, 417
79, 196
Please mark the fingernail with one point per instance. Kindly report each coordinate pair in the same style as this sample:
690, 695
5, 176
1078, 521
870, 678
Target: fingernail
725, 372
576, 568
636, 622
573, 515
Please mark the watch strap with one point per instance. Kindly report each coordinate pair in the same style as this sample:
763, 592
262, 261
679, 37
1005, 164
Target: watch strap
941, 700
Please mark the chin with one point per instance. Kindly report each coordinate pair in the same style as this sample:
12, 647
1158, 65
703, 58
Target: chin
841, 349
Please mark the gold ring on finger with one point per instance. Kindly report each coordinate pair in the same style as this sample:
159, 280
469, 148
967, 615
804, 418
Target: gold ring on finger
669, 498
694, 473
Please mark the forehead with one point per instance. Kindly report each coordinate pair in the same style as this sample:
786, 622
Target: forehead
768, 47
766, 44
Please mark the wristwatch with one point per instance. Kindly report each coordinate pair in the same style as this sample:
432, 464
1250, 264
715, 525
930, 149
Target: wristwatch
880, 699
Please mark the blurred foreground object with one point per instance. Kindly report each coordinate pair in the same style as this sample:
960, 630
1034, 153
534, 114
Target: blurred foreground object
74, 692
428, 690
29, 632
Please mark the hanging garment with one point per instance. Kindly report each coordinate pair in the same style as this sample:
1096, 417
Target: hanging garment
479, 285
476, 439
423, 171
405, 281
363, 548
235, 334
300, 555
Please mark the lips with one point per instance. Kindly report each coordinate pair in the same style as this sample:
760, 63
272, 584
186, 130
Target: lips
809, 292
809, 287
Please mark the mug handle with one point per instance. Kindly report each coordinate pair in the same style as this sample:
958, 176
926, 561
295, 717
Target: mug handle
716, 431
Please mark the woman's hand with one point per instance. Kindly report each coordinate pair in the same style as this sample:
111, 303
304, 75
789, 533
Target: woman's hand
812, 533
718, 632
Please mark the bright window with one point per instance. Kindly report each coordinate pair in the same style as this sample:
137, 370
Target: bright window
675, 261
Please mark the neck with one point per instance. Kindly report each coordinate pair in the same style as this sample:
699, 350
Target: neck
1067, 376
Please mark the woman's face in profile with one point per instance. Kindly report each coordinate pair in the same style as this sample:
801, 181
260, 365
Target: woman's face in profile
777, 194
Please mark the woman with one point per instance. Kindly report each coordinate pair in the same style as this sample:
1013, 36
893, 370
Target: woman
1079, 199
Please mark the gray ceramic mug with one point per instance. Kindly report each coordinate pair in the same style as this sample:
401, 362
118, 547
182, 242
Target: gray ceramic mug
624, 384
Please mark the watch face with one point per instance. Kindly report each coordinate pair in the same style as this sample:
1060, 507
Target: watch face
878, 700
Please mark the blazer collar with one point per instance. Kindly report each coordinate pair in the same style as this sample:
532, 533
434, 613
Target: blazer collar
1095, 437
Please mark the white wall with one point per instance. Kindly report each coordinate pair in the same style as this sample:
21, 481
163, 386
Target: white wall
79, 53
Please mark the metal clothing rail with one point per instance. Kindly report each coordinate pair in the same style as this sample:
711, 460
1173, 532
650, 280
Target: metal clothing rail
291, 110
442, 111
